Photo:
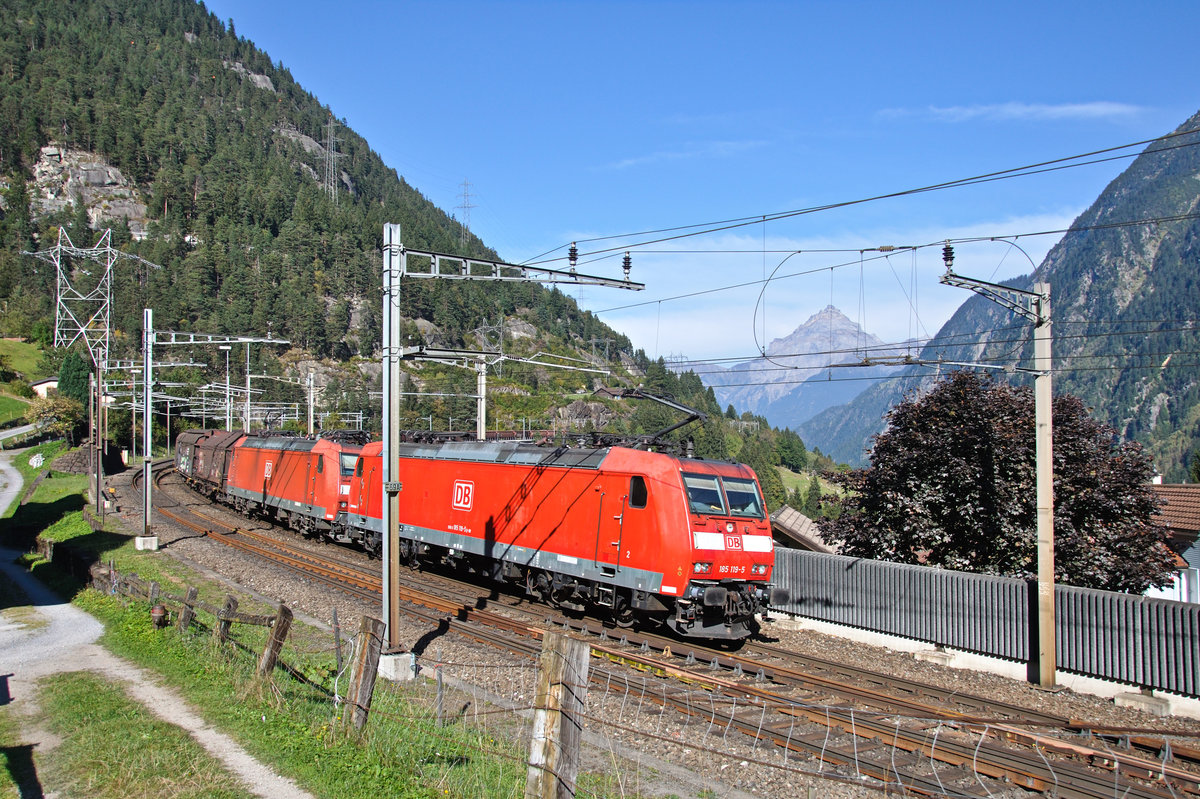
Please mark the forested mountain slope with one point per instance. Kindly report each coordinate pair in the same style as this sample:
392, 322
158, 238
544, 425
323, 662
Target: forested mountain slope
154, 118
224, 147
1125, 294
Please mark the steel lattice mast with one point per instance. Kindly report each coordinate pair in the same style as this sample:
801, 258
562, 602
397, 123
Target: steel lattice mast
83, 310
83, 306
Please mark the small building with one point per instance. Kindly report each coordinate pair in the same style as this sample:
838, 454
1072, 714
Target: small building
43, 387
791, 528
1180, 514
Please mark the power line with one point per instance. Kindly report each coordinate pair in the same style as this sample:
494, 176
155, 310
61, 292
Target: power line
913, 375
887, 251
1056, 164
881, 349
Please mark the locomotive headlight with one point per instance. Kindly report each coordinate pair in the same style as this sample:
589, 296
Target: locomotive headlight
729, 527
758, 568
701, 568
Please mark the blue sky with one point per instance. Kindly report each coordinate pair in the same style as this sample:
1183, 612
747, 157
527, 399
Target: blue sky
583, 121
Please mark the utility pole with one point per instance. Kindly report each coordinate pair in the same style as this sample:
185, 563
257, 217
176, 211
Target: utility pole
228, 405
1034, 306
311, 397
399, 262
147, 383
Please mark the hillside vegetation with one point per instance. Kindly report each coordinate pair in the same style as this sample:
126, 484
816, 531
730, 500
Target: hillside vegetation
221, 148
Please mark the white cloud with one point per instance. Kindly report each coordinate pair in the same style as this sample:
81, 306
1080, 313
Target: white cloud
713, 149
1019, 111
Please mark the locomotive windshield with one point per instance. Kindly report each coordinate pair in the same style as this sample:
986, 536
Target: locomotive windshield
346, 463
723, 496
704, 494
743, 497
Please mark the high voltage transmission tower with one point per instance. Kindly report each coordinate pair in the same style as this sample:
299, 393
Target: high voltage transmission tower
465, 207
84, 296
331, 157
83, 310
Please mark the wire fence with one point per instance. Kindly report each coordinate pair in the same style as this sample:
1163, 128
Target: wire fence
642, 725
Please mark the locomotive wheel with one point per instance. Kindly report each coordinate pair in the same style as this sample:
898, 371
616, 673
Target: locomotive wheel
539, 585
624, 615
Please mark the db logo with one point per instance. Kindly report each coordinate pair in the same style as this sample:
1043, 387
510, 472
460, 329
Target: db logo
733, 542
464, 493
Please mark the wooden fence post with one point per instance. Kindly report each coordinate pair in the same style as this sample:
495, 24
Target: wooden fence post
189, 609
279, 633
225, 618
363, 670
441, 696
557, 718
337, 641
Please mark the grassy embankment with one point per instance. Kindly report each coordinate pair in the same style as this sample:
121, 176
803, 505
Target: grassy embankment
21, 359
286, 722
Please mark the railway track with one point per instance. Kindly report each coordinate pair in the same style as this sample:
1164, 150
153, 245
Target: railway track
891, 732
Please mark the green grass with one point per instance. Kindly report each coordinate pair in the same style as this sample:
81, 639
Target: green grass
292, 726
113, 746
22, 358
49, 450
798, 481
12, 409
53, 500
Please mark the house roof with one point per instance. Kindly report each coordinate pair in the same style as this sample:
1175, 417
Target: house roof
1180, 509
798, 530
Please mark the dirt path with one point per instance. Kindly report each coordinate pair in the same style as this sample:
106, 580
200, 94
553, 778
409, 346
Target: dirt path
50, 636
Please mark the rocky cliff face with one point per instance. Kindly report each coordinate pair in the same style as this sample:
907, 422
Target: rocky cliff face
63, 177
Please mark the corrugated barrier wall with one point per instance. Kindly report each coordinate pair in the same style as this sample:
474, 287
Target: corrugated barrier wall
1150, 643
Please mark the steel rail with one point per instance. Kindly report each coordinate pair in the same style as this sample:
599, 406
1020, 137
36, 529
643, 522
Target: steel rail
933, 734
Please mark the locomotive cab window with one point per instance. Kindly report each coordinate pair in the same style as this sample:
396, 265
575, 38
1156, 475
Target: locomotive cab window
637, 492
320, 464
346, 464
704, 494
744, 499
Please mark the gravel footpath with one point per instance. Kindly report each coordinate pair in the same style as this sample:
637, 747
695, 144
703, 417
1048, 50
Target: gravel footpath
50, 636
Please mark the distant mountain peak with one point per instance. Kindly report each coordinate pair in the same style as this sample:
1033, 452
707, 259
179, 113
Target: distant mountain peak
826, 330
777, 387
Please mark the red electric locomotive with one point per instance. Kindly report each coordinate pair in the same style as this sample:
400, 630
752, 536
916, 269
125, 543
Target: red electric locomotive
684, 541
303, 482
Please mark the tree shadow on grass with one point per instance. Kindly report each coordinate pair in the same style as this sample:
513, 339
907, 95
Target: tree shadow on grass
70, 566
34, 517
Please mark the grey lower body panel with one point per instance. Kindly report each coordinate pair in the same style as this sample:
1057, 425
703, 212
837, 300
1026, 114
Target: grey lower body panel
315, 511
541, 559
